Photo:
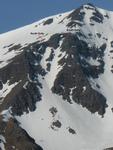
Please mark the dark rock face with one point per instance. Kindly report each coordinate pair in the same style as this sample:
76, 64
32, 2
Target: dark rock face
97, 16
77, 14
111, 51
94, 53
106, 16
74, 75
89, 6
54, 41
7, 46
14, 71
16, 137
15, 47
24, 68
74, 24
72, 131
51, 56
109, 148
99, 35
48, 67
1, 85
57, 124
53, 111
71, 83
25, 100
49, 21
111, 43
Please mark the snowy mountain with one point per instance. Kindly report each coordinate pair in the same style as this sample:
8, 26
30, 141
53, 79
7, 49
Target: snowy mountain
56, 89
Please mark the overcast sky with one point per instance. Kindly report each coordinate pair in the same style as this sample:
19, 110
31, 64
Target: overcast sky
17, 13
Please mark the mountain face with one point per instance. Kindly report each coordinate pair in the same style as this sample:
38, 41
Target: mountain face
56, 89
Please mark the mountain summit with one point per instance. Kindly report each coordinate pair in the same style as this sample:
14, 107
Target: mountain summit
56, 90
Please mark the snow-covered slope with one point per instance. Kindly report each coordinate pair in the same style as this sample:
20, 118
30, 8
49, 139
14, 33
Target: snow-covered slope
69, 72
29, 34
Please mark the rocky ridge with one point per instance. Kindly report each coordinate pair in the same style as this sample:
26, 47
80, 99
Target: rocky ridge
65, 65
